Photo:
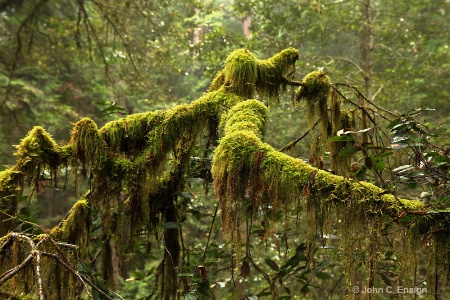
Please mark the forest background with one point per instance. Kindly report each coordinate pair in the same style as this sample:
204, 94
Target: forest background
62, 60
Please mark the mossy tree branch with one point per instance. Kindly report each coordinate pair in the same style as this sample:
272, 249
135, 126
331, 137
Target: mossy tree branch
132, 182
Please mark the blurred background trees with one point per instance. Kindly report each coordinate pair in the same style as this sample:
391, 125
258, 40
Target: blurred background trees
62, 60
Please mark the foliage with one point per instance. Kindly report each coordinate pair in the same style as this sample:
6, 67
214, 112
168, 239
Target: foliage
141, 178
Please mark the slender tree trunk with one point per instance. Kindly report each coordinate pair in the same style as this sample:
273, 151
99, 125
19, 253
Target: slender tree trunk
366, 46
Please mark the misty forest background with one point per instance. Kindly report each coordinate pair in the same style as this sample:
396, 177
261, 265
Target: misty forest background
64, 60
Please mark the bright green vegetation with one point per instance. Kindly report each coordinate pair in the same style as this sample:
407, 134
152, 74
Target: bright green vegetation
137, 164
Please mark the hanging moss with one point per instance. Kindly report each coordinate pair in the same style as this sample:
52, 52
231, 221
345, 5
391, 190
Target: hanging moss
11, 182
75, 229
341, 120
315, 89
135, 182
128, 135
14, 251
244, 74
89, 148
240, 73
425, 238
250, 174
272, 73
36, 152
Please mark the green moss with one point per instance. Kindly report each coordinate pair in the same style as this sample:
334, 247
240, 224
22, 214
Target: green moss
88, 146
315, 89
249, 174
11, 183
272, 73
244, 75
75, 228
240, 73
217, 82
248, 115
129, 158
36, 152
128, 135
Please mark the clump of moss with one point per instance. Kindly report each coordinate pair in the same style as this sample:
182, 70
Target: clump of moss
88, 146
240, 73
75, 229
239, 118
244, 75
128, 135
315, 89
272, 73
36, 152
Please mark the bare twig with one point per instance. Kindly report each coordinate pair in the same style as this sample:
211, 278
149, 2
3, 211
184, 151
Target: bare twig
292, 144
210, 231
355, 89
10, 273
80, 276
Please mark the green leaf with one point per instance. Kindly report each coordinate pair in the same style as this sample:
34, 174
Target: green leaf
349, 151
393, 123
432, 154
264, 293
25, 212
405, 218
322, 265
385, 154
26, 227
374, 162
186, 195
296, 258
191, 296
323, 275
305, 289
272, 264
196, 213
287, 290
